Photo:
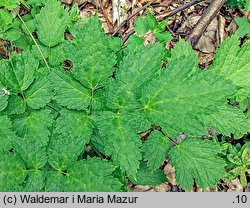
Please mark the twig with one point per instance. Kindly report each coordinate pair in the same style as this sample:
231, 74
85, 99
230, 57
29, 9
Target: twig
105, 16
180, 9
158, 128
127, 35
131, 16
160, 5
82, 5
200, 27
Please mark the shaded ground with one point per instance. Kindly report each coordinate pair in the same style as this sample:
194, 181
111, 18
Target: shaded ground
180, 24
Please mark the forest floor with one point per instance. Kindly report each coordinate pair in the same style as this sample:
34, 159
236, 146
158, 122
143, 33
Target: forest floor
182, 16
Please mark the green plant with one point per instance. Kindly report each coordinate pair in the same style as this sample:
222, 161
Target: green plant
239, 158
245, 4
150, 23
106, 100
244, 26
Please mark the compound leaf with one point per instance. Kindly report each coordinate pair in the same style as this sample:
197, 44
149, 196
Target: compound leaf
244, 26
69, 92
183, 49
155, 150
141, 25
7, 135
35, 3
241, 74
163, 37
121, 140
73, 131
97, 176
224, 62
107, 98
247, 5
16, 105
228, 120
133, 43
152, 21
97, 142
63, 151
6, 18
12, 171
93, 60
34, 124
138, 67
3, 98
183, 97
135, 70
39, 93
52, 23
10, 4
34, 182
32, 151
78, 124
146, 176
197, 159
233, 64
18, 73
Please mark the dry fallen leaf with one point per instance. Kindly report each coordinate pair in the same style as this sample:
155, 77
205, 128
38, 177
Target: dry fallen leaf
248, 187
163, 188
140, 188
170, 173
149, 38
66, 1
234, 185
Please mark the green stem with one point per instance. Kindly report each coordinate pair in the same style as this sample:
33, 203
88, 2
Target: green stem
39, 49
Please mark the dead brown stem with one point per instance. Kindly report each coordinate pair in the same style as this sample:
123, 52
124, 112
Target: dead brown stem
105, 16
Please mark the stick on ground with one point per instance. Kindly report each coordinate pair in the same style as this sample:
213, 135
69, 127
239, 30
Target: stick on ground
105, 16
211, 12
180, 9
